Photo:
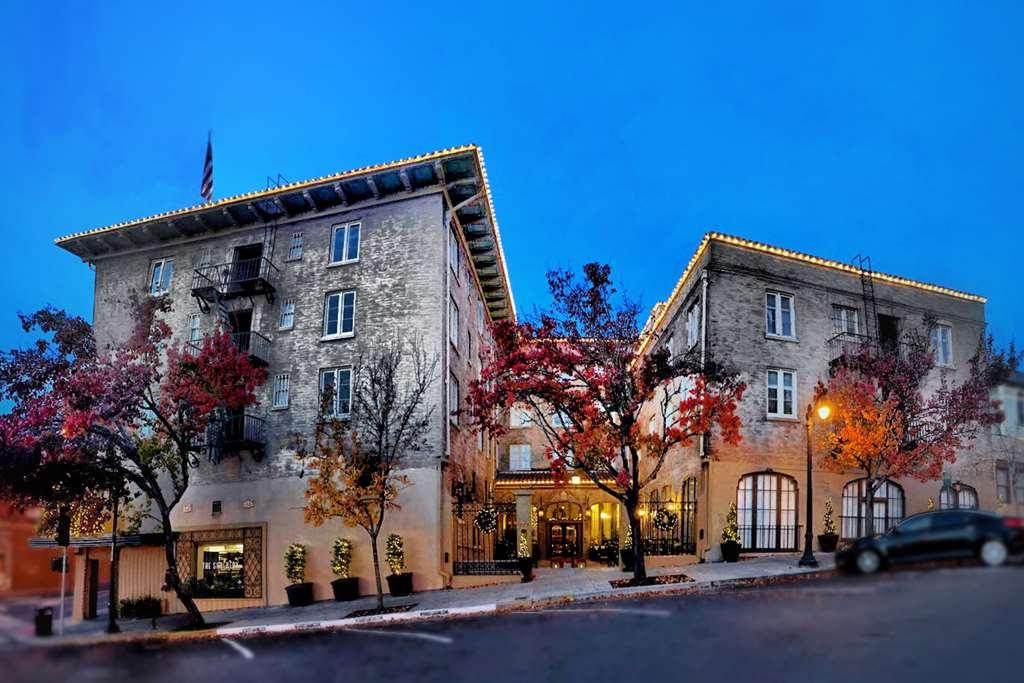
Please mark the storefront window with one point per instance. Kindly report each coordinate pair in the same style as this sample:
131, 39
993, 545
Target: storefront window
221, 572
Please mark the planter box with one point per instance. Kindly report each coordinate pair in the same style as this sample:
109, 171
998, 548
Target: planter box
730, 551
628, 560
400, 585
526, 568
299, 594
828, 542
345, 589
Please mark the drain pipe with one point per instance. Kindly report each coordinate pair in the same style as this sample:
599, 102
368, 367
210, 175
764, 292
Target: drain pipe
703, 439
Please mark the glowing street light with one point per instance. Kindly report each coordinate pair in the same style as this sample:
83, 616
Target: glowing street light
824, 410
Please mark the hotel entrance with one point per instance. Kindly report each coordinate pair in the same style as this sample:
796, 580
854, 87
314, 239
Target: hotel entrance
565, 541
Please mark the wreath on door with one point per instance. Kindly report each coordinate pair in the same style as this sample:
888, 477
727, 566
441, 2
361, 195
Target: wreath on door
486, 520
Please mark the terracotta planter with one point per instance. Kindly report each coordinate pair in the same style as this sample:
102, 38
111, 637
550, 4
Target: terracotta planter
730, 551
828, 542
400, 585
345, 589
299, 594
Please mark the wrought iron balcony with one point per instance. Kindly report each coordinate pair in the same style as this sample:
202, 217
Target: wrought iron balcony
847, 345
248, 277
255, 344
237, 432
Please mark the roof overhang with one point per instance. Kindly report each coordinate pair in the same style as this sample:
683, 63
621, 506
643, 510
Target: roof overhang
100, 541
542, 479
458, 172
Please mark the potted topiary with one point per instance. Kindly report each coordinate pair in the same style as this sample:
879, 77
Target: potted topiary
399, 582
345, 587
300, 592
525, 557
828, 540
730, 544
626, 551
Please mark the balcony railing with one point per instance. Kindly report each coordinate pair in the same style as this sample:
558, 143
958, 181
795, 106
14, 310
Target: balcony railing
237, 432
248, 277
255, 344
846, 345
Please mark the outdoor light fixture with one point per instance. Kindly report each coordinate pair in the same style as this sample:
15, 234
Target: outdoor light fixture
824, 410
575, 479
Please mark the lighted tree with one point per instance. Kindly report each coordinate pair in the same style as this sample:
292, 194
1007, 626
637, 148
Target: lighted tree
138, 411
357, 451
580, 361
887, 423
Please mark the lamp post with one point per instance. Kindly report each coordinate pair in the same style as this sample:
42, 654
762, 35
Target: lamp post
823, 411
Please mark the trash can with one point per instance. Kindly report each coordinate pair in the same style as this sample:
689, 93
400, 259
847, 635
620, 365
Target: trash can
44, 621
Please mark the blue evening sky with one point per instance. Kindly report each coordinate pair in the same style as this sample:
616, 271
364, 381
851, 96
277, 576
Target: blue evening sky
612, 132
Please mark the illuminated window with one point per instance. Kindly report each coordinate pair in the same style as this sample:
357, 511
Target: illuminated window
766, 511
779, 315
888, 508
221, 570
958, 496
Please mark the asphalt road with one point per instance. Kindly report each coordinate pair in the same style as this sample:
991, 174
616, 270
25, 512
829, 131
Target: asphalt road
962, 624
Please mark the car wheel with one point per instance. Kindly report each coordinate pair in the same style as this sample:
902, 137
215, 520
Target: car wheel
993, 553
868, 562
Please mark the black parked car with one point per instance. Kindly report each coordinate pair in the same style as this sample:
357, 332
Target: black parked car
937, 535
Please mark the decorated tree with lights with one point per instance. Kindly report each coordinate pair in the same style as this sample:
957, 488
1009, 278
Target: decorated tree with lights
884, 424
581, 361
357, 451
137, 411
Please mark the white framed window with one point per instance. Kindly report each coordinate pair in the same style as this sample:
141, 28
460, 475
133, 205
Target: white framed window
160, 273
845, 320
195, 335
345, 243
480, 319
520, 417
779, 315
454, 253
295, 247
281, 391
453, 399
781, 394
520, 457
339, 314
942, 344
287, 319
453, 322
692, 326
336, 386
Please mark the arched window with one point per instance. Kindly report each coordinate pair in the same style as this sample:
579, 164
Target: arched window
888, 506
766, 511
958, 495
688, 517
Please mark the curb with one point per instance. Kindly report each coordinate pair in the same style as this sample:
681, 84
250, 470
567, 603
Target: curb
435, 614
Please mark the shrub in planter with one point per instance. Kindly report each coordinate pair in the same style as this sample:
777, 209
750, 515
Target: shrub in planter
524, 557
140, 608
345, 587
299, 592
828, 540
626, 551
399, 582
730, 545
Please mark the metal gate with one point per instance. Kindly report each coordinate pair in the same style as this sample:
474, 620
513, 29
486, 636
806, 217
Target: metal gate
484, 552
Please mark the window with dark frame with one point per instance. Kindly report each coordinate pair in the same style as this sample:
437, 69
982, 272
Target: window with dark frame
766, 512
160, 273
336, 387
958, 496
889, 505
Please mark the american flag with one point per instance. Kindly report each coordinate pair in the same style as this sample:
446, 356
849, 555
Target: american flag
206, 187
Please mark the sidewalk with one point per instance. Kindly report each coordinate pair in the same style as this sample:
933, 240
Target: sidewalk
550, 586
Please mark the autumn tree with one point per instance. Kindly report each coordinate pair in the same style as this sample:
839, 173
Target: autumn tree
138, 411
889, 423
357, 450
580, 360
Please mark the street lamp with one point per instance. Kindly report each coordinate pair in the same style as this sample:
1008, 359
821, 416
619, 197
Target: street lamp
823, 410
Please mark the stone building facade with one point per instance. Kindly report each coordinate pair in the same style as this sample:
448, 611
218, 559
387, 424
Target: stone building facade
779, 318
309, 276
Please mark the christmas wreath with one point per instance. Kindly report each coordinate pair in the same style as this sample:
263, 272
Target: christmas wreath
486, 520
665, 520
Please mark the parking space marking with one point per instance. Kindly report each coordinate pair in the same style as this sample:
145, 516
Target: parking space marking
431, 637
239, 648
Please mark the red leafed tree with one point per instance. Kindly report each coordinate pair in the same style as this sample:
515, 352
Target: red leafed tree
138, 411
580, 361
889, 423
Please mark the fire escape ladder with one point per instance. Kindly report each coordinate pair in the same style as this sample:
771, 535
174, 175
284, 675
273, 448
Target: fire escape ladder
867, 285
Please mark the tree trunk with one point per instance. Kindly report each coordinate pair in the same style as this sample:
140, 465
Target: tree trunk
869, 507
639, 565
173, 580
376, 572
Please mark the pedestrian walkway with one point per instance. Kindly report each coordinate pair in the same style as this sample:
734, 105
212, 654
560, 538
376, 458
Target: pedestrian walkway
550, 585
